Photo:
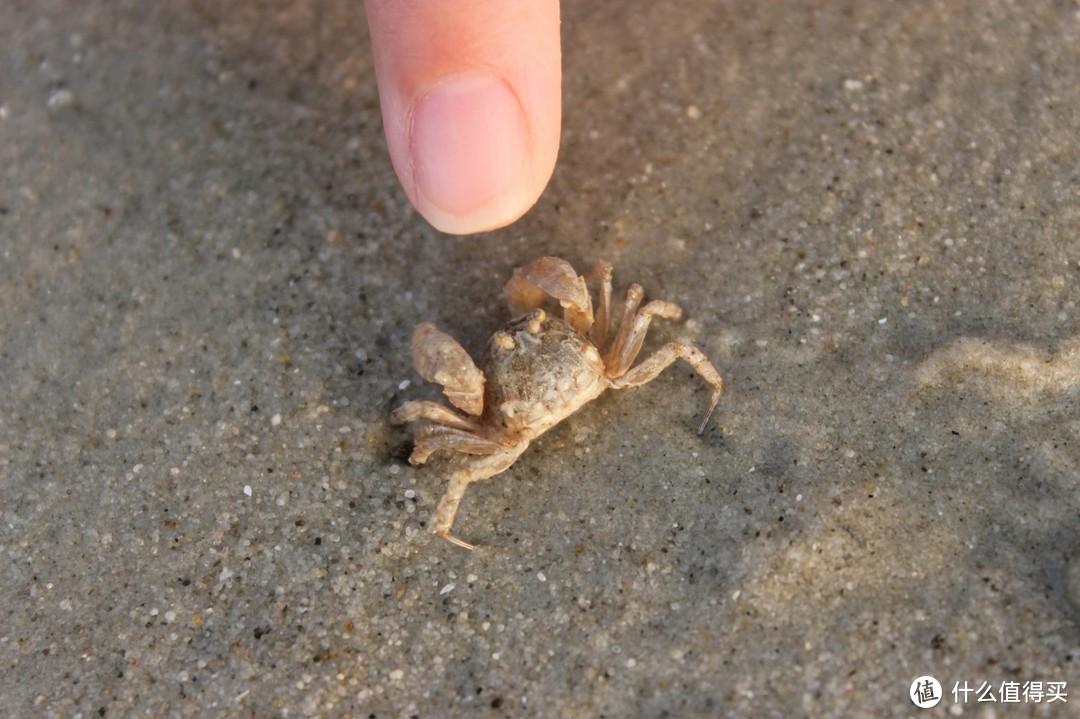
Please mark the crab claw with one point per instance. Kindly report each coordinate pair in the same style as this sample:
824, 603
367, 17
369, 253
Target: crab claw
439, 358
552, 277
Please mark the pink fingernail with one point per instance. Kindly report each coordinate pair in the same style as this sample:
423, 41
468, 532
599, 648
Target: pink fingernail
468, 141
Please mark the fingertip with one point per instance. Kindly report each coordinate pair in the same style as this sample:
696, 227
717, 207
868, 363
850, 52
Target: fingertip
473, 159
471, 100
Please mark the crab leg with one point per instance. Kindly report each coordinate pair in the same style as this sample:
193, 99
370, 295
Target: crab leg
632, 330
634, 293
665, 356
431, 439
602, 324
426, 409
470, 472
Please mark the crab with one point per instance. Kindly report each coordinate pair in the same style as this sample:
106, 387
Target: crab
538, 370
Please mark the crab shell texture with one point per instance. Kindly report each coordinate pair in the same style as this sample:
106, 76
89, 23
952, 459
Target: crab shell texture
535, 379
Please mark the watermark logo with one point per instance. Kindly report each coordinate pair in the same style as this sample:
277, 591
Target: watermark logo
925, 692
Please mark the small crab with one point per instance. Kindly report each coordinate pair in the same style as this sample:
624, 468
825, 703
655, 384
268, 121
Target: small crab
538, 370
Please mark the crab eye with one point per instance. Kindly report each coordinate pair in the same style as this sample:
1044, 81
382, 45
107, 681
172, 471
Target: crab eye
535, 322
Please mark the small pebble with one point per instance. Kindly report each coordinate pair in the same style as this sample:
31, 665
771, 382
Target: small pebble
62, 99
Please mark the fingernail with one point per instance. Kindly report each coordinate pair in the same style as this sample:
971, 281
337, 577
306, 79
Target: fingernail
468, 142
